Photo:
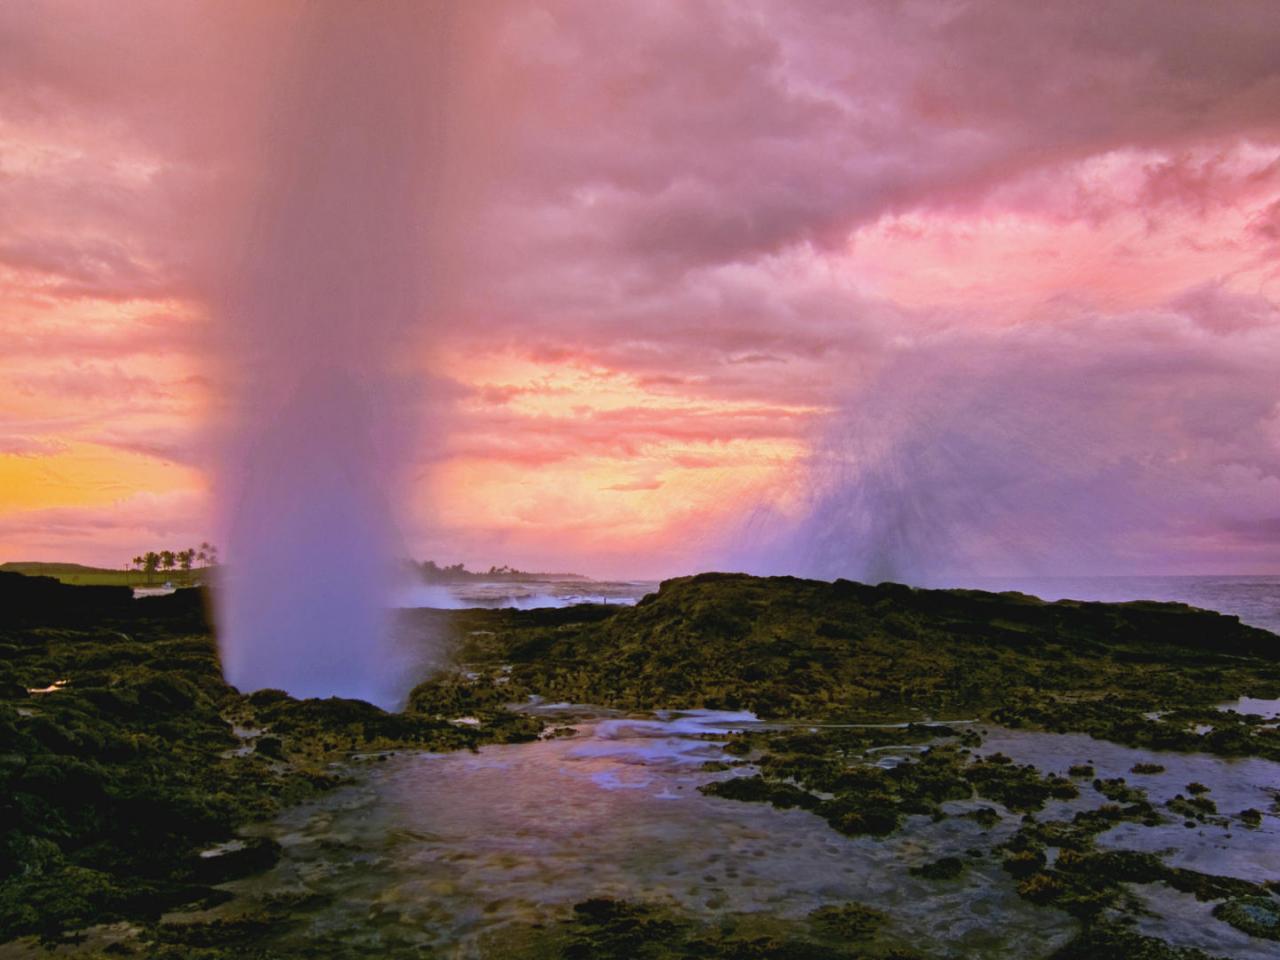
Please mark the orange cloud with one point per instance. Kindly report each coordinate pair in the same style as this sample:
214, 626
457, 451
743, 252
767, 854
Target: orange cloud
704, 252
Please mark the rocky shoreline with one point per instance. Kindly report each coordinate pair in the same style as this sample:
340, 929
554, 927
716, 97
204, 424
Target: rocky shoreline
128, 783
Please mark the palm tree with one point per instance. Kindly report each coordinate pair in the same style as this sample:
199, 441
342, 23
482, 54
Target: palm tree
167, 559
149, 563
184, 561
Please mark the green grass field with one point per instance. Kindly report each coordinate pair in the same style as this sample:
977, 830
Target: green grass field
80, 575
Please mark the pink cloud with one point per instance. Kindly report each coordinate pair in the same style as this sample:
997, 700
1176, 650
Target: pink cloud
26, 446
764, 219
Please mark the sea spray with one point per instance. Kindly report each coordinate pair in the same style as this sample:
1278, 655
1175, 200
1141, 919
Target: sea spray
333, 282
984, 453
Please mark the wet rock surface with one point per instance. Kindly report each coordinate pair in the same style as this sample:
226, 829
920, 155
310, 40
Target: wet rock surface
1105, 787
120, 760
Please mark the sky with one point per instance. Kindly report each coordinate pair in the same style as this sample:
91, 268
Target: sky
876, 289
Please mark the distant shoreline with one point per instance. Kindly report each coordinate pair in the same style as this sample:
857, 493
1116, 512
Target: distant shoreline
80, 575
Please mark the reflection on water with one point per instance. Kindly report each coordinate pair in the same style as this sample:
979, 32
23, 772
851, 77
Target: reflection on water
1255, 706
1224, 849
1233, 784
442, 848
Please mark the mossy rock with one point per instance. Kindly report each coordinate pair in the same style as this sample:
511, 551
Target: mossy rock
848, 921
948, 868
270, 747
1023, 863
604, 928
1147, 769
1256, 916
66, 898
1102, 941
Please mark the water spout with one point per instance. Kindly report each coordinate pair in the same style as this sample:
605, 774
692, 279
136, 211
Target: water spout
333, 280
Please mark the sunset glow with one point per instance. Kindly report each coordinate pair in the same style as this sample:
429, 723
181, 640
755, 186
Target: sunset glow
707, 230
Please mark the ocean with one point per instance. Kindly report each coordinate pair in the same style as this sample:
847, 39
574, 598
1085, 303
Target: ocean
1254, 599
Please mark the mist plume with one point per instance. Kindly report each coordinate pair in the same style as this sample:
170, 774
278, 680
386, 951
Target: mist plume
338, 268
1023, 453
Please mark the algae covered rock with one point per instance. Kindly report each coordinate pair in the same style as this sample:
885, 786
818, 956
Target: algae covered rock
604, 928
129, 784
1104, 941
123, 787
848, 921
785, 647
1258, 916
948, 868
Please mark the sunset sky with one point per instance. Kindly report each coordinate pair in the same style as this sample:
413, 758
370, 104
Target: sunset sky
740, 284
